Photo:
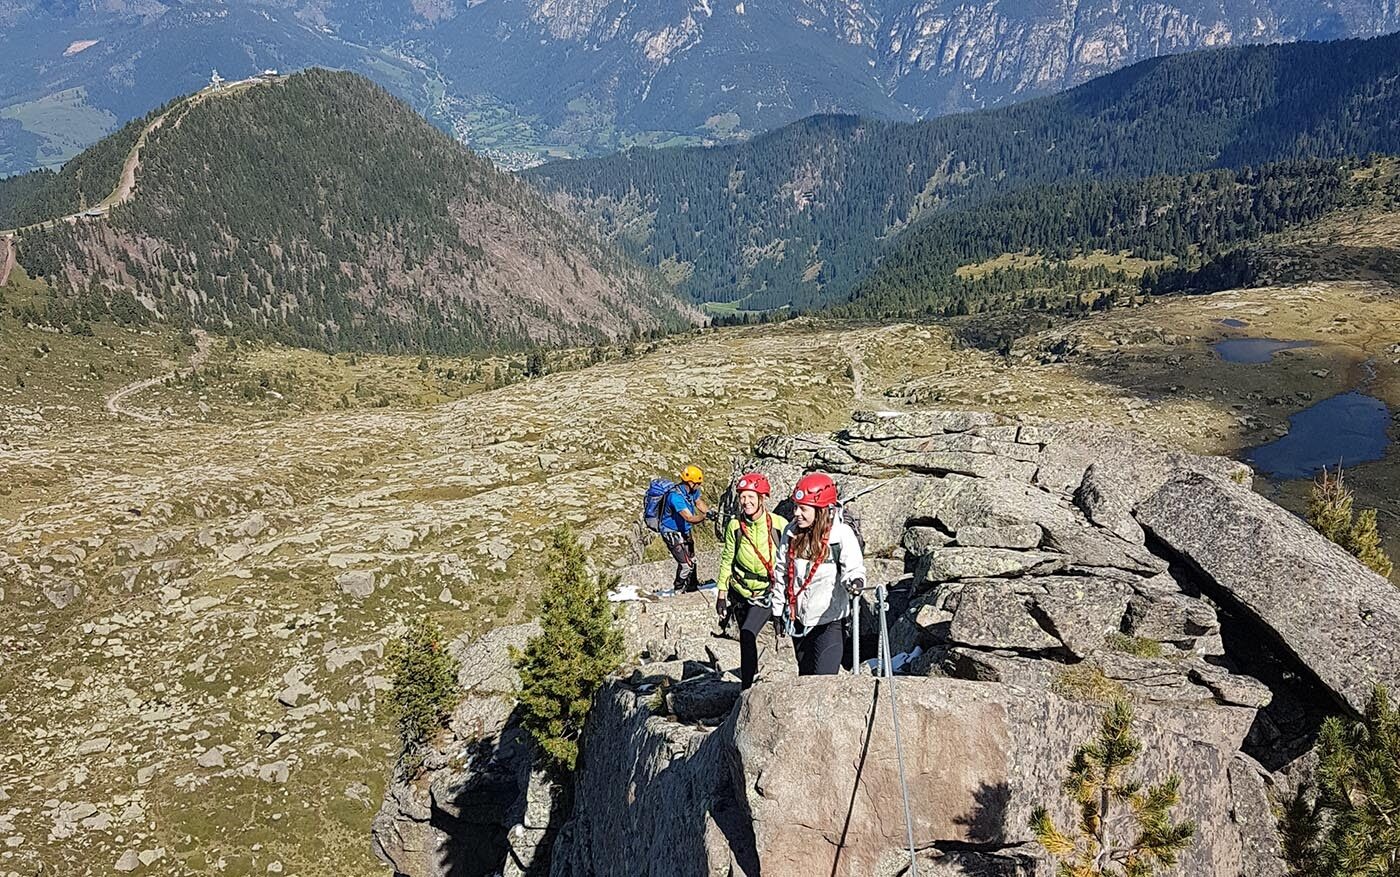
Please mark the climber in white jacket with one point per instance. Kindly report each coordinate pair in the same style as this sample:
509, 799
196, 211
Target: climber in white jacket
819, 566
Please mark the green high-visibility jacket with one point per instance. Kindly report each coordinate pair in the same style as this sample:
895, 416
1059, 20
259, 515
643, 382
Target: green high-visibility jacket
741, 565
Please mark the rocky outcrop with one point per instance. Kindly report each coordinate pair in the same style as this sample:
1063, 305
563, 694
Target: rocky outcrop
818, 771
1335, 615
1040, 571
478, 806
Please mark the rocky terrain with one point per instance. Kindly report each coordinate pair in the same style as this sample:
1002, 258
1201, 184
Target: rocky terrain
199, 602
1040, 569
198, 587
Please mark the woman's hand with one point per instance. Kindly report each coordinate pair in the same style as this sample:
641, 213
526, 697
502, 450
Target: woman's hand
855, 586
721, 606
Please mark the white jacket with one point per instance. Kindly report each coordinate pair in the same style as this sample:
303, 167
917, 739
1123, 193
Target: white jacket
825, 598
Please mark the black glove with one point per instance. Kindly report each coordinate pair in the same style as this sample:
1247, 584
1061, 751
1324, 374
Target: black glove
712, 515
722, 607
855, 586
778, 629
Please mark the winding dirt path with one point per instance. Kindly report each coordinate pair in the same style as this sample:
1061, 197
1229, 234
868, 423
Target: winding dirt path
7, 258
116, 402
126, 185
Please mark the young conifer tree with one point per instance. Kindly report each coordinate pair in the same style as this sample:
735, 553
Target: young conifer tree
578, 646
1351, 829
1330, 506
1331, 512
1364, 541
1100, 788
425, 687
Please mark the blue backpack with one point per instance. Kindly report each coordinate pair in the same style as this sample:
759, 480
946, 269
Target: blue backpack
657, 492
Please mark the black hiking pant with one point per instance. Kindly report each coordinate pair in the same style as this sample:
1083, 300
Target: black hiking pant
819, 652
752, 616
682, 547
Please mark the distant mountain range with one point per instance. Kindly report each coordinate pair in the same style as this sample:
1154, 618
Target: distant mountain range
800, 217
523, 80
317, 210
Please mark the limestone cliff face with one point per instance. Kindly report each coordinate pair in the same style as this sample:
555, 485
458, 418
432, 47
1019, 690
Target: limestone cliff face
934, 56
1035, 571
985, 53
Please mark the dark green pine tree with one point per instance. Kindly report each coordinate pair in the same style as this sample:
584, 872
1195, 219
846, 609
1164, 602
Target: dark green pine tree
578, 646
425, 688
1098, 783
1352, 828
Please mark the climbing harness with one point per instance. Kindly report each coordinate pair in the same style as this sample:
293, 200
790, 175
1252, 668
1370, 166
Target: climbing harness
772, 545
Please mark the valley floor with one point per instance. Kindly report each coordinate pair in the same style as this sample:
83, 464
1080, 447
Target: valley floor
198, 604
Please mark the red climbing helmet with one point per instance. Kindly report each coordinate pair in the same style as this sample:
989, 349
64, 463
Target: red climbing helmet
755, 481
816, 490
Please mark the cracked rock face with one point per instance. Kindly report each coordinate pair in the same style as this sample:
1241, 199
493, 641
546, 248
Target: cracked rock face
1044, 570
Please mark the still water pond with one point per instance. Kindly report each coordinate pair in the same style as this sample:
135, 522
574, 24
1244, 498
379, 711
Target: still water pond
1348, 428
1253, 350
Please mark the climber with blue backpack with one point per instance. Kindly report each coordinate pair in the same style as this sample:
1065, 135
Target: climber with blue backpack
671, 509
747, 566
820, 566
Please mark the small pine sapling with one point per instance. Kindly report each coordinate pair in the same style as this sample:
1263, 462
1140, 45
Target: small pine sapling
1351, 828
1100, 788
578, 646
1330, 506
1331, 513
425, 688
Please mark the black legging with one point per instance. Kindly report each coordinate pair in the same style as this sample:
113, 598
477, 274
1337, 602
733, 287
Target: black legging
682, 548
752, 616
819, 652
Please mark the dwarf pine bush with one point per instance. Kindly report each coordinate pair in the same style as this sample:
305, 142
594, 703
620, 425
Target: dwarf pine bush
1331, 512
1349, 828
1098, 843
425, 687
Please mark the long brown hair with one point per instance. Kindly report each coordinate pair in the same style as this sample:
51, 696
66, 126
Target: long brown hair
808, 543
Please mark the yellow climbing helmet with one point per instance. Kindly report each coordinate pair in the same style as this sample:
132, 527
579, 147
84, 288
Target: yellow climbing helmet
692, 475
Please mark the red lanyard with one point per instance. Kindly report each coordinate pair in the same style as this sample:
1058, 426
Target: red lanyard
792, 594
772, 549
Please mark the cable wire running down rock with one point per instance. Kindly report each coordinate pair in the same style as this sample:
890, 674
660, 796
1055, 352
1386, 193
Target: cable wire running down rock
882, 609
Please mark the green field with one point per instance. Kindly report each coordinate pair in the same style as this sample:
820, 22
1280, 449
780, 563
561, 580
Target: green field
65, 122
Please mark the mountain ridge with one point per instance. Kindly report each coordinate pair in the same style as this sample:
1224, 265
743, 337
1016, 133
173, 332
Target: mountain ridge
320, 211
799, 216
555, 78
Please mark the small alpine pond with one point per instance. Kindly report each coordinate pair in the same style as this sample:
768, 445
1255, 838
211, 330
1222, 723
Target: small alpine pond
1253, 350
1345, 429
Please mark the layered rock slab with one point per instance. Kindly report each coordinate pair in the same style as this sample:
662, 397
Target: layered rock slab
803, 779
1336, 616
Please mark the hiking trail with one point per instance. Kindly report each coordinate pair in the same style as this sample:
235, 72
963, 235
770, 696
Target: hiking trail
116, 401
125, 186
7, 258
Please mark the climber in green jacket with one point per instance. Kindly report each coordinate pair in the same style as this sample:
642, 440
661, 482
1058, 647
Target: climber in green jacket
746, 568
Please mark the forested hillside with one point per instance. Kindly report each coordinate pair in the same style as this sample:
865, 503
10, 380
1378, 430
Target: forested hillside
801, 216
528, 80
320, 211
81, 183
1073, 245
